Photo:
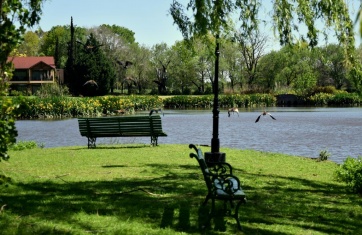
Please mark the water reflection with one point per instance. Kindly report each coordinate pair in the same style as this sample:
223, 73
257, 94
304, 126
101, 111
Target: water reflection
296, 131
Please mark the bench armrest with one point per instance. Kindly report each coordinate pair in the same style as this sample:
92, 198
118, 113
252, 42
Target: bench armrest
221, 168
226, 185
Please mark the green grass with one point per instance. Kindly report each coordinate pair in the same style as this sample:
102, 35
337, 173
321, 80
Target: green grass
138, 189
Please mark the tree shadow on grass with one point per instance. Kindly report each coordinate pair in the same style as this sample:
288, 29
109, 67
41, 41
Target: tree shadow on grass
298, 202
172, 200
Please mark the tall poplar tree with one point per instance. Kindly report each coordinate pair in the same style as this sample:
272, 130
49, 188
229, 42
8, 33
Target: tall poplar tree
91, 64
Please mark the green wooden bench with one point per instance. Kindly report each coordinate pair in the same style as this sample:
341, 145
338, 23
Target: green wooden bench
221, 185
124, 126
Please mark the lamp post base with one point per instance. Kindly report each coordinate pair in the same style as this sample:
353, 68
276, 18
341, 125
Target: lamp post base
214, 157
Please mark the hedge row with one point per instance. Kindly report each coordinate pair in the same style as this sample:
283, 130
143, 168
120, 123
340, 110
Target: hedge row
66, 107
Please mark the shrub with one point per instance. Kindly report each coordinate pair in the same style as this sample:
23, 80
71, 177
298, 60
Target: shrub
7, 126
324, 155
52, 90
350, 172
323, 89
22, 145
19, 93
319, 99
345, 99
182, 101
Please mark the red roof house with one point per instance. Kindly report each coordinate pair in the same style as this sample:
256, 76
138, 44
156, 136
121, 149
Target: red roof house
31, 61
30, 72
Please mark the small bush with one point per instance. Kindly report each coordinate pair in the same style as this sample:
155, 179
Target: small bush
323, 89
52, 90
324, 155
22, 145
345, 99
350, 172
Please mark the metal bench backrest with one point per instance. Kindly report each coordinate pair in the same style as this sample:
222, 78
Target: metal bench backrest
204, 168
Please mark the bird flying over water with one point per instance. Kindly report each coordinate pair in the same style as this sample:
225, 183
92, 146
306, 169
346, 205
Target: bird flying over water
233, 110
156, 111
263, 114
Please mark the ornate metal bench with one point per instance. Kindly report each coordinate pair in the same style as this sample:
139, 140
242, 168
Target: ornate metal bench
221, 184
125, 126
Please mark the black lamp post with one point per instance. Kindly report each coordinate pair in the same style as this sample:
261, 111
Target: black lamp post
215, 155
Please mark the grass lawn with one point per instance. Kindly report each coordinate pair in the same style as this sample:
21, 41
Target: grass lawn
138, 189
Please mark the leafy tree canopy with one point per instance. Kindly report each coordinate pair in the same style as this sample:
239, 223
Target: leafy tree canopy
15, 17
123, 32
200, 17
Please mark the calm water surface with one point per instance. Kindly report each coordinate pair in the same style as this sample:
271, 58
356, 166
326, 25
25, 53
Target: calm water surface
297, 131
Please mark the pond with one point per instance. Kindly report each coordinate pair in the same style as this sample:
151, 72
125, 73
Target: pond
296, 131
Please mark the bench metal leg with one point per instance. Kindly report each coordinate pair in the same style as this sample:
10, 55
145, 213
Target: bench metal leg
236, 214
208, 196
92, 142
212, 213
154, 140
226, 211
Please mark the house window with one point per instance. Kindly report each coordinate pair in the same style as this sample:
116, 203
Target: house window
20, 75
41, 75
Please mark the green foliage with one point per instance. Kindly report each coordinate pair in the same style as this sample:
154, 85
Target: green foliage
185, 101
52, 90
145, 102
20, 93
294, 67
319, 99
124, 33
15, 17
63, 106
350, 172
262, 100
8, 132
251, 100
337, 99
355, 75
324, 155
345, 99
59, 36
206, 101
22, 145
323, 89
92, 64
26, 14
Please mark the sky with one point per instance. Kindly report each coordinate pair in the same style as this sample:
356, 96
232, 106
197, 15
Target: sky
148, 19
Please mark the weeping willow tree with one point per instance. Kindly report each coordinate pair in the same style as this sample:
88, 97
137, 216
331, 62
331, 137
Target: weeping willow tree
293, 21
357, 72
